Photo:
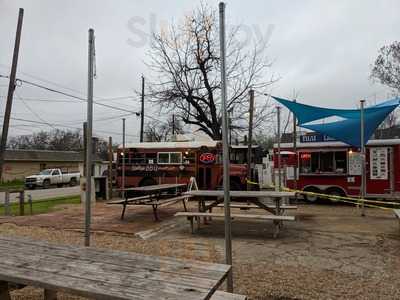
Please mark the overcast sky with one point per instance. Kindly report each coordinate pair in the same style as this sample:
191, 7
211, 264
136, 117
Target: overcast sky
323, 50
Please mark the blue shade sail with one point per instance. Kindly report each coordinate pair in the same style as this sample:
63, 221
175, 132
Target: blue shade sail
347, 130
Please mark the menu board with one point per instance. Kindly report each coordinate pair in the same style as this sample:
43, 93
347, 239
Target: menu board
378, 163
355, 163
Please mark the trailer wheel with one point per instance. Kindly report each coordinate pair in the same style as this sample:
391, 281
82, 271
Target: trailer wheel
147, 181
335, 192
311, 198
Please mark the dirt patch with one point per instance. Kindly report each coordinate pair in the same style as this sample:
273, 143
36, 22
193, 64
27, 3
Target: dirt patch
330, 252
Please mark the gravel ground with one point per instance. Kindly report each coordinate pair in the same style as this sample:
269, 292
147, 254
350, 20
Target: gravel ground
329, 253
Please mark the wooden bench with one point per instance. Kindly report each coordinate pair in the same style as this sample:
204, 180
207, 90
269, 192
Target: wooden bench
104, 274
221, 295
150, 200
252, 206
278, 219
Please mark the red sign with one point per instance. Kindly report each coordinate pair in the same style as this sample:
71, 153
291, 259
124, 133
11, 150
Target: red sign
207, 158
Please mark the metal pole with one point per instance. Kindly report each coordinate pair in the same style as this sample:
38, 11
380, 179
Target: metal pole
142, 113
251, 109
110, 168
278, 113
363, 174
227, 209
295, 150
123, 157
11, 88
89, 153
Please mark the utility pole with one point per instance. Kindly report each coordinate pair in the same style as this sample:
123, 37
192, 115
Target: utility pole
110, 168
123, 158
363, 169
225, 149
84, 148
251, 110
142, 113
11, 88
173, 124
278, 117
89, 151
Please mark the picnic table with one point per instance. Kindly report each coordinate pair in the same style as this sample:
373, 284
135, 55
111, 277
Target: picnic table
104, 274
154, 196
256, 198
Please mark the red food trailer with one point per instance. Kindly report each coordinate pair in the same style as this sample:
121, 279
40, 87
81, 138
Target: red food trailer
176, 162
332, 167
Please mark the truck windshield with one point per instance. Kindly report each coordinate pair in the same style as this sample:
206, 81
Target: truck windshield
45, 172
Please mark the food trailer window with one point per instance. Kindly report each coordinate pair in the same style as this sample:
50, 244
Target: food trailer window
323, 162
169, 157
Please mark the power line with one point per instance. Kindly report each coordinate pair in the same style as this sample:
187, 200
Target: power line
66, 126
32, 111
70, 95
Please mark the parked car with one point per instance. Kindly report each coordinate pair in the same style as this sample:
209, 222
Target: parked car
49, 177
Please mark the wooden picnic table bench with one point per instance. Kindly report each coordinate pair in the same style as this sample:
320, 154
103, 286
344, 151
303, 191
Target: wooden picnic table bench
153, 197
397, 214
256, 198
221, 295
104, 274
197, 215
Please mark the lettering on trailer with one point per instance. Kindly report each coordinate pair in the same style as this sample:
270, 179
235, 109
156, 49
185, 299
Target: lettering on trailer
379, 163
315, 137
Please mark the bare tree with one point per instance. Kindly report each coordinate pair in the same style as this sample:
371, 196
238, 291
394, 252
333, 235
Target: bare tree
160, 131
386, 68
185, 62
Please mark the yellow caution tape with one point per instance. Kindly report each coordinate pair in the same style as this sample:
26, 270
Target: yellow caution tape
356, 201
251, 182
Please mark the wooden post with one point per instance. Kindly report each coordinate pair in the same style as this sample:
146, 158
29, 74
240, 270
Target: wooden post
110, 168
4, 291
50, 295
30, 204
251, 109
10, 94
7, 211
22, 203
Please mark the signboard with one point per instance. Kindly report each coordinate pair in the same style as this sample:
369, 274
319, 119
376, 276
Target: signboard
207, 158
315, 137
378, 163
355, 163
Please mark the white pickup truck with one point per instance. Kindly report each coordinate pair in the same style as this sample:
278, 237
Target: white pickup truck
49, 177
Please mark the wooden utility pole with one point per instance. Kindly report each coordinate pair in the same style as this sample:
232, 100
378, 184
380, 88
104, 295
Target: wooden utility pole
142, 113
10, 94
251, 110
110, 168
173, 124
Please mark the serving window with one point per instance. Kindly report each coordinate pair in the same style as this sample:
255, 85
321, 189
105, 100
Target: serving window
323, 162
169, 157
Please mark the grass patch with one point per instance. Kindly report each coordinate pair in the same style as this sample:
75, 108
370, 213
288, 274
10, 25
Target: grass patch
14, 184
42, 206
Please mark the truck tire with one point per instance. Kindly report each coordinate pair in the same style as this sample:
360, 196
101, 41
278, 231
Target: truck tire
46, 184
73, 182
147, 181
311, 198
334, 191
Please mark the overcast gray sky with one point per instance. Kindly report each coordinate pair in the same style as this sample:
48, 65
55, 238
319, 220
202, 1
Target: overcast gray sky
321, 49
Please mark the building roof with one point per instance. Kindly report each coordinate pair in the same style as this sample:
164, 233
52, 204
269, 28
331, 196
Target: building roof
170, 145
44, 155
